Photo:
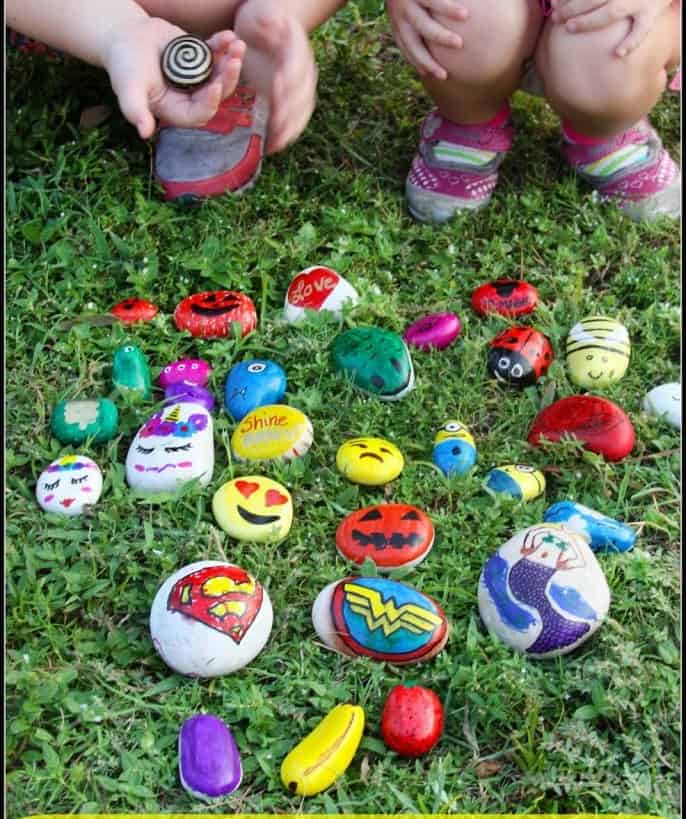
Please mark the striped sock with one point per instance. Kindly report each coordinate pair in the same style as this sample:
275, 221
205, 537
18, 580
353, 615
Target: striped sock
623, 157
465, 155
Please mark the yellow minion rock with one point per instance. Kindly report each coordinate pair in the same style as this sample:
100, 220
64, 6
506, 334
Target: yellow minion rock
521, 482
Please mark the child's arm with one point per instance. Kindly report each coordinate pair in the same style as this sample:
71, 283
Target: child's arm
121, 38
591, 15
414, 26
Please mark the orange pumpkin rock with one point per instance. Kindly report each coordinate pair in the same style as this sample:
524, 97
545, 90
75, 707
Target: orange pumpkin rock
211, 314
390, 534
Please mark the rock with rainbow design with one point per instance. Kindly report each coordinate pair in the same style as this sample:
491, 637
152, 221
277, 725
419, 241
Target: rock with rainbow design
68, 485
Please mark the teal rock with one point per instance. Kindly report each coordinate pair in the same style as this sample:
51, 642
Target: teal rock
130, 372
376, 361
74, 422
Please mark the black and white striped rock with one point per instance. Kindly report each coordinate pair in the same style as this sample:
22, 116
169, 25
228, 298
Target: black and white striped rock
187, 62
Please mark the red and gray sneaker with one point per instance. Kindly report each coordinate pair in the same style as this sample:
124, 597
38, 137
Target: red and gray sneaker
225, 155
632, 168
456, 166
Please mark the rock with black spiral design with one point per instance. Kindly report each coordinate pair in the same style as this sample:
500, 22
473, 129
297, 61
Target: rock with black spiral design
187, 62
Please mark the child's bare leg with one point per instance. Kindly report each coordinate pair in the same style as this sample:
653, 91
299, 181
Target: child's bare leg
498, 36
605, 94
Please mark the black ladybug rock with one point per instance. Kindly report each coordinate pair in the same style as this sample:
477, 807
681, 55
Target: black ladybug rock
519, 356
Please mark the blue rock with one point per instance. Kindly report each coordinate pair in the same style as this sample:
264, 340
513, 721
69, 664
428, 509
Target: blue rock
605, 534
251, 384
454, 456
193, 393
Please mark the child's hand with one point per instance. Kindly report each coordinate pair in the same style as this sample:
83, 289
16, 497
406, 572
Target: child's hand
132, 60
414, 26
279, 63
591, 15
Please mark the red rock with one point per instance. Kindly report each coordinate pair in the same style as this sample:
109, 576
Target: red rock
211, 314
509, 297
412, 720
601, 425
390, 534
134, 309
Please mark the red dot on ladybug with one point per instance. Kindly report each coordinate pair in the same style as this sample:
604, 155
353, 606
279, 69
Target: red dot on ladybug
247, 488
275, 498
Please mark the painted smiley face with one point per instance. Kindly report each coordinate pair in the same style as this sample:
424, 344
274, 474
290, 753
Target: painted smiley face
68, 485
185, 371
254, 508
173, 447
253, 384
598, 351
369, 461
519, 481
211, 314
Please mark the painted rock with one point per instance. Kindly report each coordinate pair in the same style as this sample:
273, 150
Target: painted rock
318, 288
603, 533
370, 461
665, 402
209, 763
211, 314
519, 356
519, 481
185, 371
392, 535
412, 720
376, 361
68, 485
319, 759
598, 350
210, 618
74, 422
173, 447
186, 62
598, 423
272, 431
543, 591
254, 508
436, 331
454, 450
253, 384
130, 372
509, 297
180, 393
134, 309
380, 618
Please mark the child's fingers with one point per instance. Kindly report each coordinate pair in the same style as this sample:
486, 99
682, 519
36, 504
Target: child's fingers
594, 20
641, 26
564, 10
133, 102
430, 30
446, 8
221, 40
418, 54
190, 110
228, 67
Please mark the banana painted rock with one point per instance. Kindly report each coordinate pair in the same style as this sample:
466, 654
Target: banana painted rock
317, 761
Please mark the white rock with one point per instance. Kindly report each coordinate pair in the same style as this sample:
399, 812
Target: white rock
665, 402
318, 288
68, 485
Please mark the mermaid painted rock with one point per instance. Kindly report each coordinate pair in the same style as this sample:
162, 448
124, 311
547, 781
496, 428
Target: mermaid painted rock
173, 447
209, 762
253, 384
454, 451
380, 618
376, 361
131, 374
543, 592
210, 618
76, 421
68, 485
605, 534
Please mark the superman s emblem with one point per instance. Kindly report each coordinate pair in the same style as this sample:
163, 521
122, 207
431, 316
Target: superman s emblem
225, 598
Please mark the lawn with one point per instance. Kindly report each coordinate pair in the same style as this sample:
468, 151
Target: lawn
93, 714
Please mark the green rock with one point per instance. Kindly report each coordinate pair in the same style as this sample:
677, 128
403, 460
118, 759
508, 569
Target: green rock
375, 360
130, 372
73, 422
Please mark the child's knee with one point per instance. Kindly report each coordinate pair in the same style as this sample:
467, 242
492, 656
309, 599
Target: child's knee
497, 36
601, 85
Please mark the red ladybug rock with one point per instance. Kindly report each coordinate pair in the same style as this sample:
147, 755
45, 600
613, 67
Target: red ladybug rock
509, 297
519, 356
412, 720
211, 314
134, 309
601, 425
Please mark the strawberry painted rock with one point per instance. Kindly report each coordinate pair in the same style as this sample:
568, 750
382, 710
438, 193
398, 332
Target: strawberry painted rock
412, 720
509, 297
212, 314
134, 309
601, 425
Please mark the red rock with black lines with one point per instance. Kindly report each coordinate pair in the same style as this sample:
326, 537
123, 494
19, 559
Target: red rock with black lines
211, 314
509, 297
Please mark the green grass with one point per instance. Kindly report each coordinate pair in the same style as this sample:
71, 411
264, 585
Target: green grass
93, 713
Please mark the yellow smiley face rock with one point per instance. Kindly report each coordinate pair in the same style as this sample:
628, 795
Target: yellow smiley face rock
254, 508
370, 461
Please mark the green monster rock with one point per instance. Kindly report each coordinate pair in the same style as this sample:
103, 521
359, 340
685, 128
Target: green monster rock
130, 372
375, 360
73, 422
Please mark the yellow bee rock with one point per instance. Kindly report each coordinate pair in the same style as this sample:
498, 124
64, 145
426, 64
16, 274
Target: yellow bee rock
598, 350
521, 482
317, 761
